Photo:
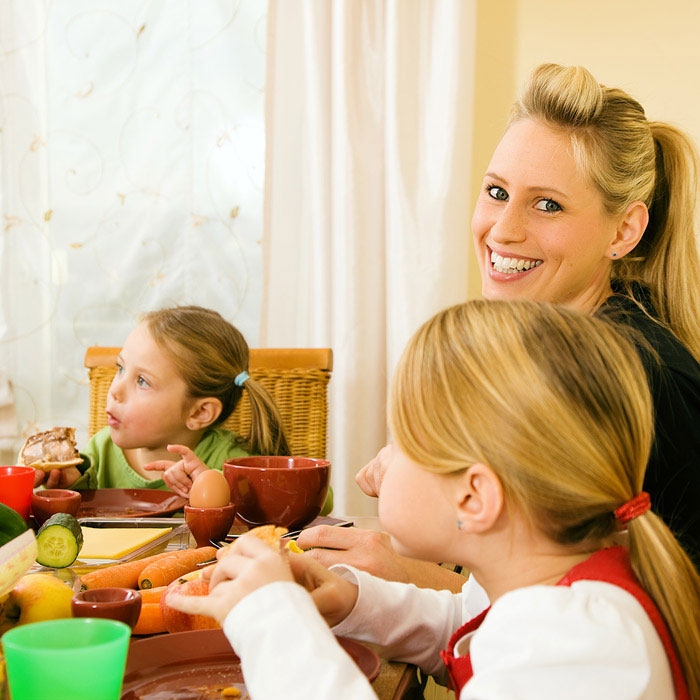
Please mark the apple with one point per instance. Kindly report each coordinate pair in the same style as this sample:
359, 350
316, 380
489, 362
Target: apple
37, 597
177, 621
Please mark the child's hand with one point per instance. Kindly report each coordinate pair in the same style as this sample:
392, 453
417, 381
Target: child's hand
179, 475
248, 564
333, 595
56, 478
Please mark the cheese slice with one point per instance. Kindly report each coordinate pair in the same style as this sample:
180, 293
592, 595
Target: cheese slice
115, 543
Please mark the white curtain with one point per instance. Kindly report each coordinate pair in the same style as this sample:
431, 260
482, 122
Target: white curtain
366, 224
132, 161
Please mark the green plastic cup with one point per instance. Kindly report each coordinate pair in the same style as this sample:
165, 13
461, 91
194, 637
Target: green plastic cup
79, 658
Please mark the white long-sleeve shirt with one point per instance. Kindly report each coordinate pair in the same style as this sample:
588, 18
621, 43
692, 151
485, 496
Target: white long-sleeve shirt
587, 640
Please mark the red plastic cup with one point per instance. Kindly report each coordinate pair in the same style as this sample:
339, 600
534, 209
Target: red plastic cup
16, 486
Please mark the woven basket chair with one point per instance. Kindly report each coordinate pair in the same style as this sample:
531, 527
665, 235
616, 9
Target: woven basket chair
297, 379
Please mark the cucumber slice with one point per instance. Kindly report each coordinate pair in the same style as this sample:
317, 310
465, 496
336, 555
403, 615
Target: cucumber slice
59, 541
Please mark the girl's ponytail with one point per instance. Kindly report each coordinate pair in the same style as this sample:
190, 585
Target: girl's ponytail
266, 435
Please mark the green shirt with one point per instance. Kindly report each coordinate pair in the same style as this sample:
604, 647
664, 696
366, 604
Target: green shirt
107, 466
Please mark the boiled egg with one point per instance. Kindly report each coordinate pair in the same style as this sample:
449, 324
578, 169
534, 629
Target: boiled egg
210, 490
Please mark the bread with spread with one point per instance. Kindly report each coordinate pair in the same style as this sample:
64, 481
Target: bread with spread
51, 449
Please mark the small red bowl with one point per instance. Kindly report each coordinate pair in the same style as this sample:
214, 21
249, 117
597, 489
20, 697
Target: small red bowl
47, 502
285, 491
121, 604
209, 524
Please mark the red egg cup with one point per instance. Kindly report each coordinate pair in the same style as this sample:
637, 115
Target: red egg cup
47, 502
209, 524
121, 604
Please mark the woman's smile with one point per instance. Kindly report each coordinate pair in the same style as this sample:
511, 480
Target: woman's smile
512, 265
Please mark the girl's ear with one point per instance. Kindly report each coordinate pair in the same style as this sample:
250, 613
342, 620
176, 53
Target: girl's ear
203, 412
630, 230
481, 499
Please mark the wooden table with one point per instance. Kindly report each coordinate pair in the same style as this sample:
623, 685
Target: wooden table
396, 681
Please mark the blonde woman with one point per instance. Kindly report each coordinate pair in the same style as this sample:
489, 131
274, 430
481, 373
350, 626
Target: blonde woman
588, 204
522, 431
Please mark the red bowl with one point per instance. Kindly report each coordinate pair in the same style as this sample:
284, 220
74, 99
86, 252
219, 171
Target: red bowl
122, 604
284, 491
46, 502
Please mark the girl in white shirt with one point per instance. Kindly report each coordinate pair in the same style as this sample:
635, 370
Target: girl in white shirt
521, 434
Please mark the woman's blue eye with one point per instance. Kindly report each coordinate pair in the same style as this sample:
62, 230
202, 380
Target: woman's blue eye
548, 205
141, 381
120, 369
497, 193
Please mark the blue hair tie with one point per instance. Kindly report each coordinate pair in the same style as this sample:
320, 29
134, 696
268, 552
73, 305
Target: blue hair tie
241, 378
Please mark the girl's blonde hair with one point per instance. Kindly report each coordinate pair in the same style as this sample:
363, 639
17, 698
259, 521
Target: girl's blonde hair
556, 402
209, 353
629, 158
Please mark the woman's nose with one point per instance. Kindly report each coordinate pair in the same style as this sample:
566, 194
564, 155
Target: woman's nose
509, 225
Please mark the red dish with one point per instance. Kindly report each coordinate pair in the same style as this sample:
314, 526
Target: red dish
202, 661
129, 503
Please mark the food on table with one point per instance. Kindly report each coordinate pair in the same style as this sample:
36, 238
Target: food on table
12, 524
125, 575
292, 546
150, 620
200, 692
177, 621
51, 449
210, 490
115, 543
16, 558
37, 597
271, 534
59, 541
166, 570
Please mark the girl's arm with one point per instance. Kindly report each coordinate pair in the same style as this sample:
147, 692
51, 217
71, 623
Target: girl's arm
408, 623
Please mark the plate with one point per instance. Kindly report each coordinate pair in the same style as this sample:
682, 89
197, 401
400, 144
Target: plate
185, 665
128, 503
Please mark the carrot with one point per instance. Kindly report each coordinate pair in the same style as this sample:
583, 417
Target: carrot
150, 620
152, 595
161, 573
125, 575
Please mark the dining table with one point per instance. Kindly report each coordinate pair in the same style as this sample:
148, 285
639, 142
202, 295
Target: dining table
394, 681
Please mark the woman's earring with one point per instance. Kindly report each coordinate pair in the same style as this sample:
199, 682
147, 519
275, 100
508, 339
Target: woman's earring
614, 255
459, 524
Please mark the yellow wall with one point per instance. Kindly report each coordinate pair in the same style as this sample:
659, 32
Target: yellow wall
650, 48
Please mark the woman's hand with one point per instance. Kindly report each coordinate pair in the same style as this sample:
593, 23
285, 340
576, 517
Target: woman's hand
372, 551
178, 476
364, 549
370, 477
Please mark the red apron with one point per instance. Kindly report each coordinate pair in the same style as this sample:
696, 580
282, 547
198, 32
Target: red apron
609, 565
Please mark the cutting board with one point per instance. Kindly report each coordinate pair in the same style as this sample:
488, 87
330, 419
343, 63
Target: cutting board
115, 543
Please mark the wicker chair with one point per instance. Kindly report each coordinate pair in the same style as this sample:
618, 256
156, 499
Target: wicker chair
297, 378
